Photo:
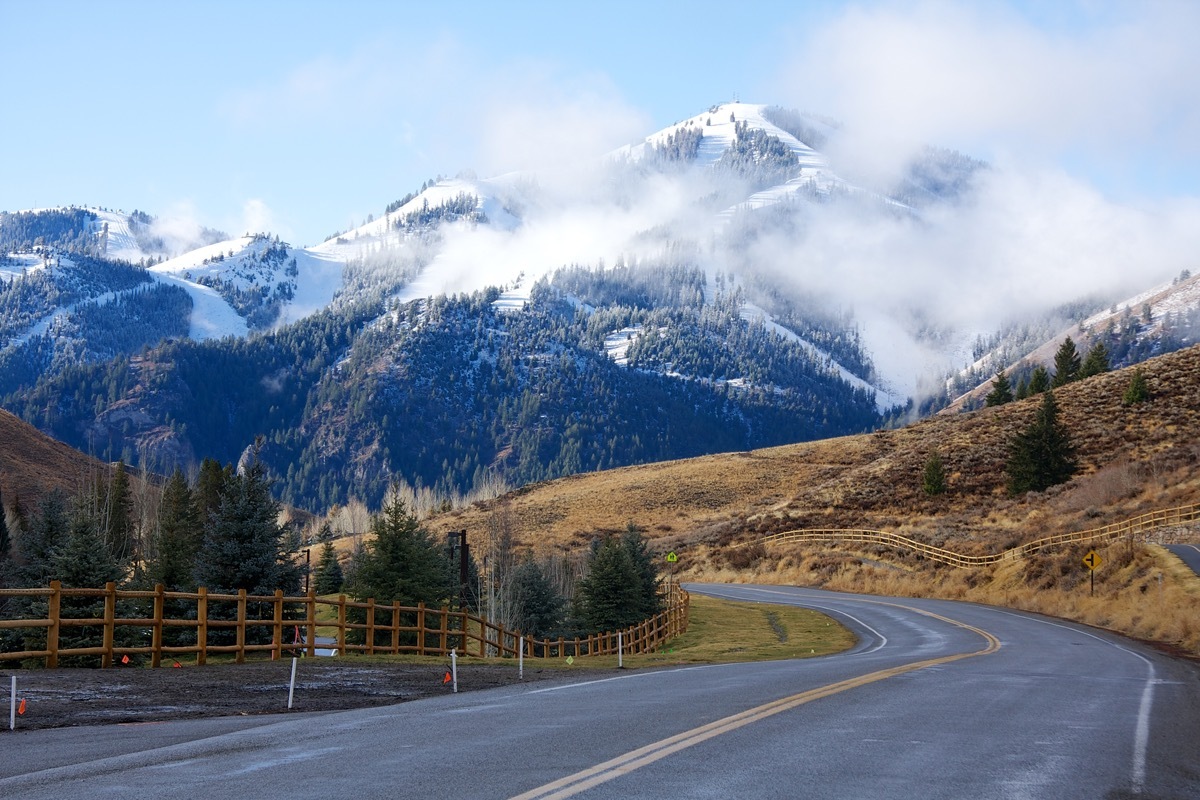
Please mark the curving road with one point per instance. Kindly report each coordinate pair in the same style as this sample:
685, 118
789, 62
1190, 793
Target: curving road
1188, 554
937, 700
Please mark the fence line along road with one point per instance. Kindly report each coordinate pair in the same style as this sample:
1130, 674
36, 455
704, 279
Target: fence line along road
159, 623
1143, 524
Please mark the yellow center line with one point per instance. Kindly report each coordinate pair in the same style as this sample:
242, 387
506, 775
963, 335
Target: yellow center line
635, 759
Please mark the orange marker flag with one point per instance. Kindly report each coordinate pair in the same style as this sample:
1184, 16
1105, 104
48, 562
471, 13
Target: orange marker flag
177, 664
124, 659
446, 679
21, 707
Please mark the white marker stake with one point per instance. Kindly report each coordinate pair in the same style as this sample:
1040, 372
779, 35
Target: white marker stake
454, 669
12, 706
520, 657
292, 686
620, 652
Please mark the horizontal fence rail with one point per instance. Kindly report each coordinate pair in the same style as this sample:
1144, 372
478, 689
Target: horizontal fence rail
121, 623
1143, 524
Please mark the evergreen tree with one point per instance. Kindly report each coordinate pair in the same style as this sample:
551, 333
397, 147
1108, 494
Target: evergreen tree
1001, 392
539, 607
178, 537
933, 480
1096, 363
1022, 389
329, 577
609, 596
1066, 363
649, 602
46, 532
117, 508
1042, 455
1138, 390
244, 546
84, 561
209, 485
1039, 381
403, 563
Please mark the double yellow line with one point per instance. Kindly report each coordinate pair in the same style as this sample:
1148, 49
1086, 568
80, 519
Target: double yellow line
636, 759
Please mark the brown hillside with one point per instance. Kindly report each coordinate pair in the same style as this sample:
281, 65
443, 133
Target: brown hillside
31, 463
1131, 459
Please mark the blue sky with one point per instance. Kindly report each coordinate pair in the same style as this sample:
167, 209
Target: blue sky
303, 117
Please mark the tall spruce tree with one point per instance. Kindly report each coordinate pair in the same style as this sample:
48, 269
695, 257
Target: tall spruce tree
649, 601
539, 608
178, 537
609, 597
244, 546
403, 563
329, 577
1001, 392
84, 561
1096, 363
1066, 363
1042, 455
1039, 381
117, 513
210, 483
45, 532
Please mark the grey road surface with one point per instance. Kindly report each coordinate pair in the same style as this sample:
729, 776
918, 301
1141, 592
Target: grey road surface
937, 700
1189, 553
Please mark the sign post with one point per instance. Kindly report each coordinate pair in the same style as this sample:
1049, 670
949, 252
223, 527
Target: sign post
1093, 561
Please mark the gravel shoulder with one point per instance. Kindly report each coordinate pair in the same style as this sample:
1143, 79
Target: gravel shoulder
67, 697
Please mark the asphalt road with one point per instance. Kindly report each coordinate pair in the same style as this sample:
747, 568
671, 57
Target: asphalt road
1189, 553
937, 700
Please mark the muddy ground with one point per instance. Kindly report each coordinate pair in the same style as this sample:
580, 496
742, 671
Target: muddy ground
62, 697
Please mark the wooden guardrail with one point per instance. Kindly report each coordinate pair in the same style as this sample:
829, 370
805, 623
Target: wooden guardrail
276, 623
1151, 521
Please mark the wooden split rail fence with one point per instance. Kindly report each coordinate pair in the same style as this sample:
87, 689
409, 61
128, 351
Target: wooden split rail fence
1127, 529
161, 624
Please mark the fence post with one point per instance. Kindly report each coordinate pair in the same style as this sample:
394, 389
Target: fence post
240, 657
201, 626
421, 628
110, 624
277, 631
395, 627
53, 612
341, 625
443, 632
370, 626
156, 635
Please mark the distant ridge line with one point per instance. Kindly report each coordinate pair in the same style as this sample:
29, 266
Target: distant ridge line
1144, 523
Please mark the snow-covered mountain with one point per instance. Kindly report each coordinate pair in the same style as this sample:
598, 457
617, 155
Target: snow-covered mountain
720, 284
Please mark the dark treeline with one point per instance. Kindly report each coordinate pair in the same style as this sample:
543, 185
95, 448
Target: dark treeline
452, 394
67, 229
63, 280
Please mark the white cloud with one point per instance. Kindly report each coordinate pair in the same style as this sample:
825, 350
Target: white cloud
981, 77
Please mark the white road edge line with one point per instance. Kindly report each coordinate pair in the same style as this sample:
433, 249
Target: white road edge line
1141, 733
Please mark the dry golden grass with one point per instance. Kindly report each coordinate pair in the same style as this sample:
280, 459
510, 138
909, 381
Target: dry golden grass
1131, 459
31, 463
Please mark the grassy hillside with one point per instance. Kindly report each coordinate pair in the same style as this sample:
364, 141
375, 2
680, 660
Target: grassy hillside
1132, 459
32, 463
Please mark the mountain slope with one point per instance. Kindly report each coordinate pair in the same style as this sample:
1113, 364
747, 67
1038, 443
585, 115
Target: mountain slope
32, 463
1131, 459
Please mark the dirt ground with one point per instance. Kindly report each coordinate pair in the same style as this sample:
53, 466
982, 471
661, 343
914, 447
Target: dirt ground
63, 697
